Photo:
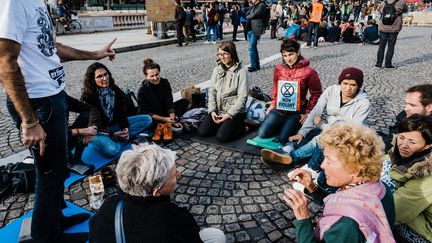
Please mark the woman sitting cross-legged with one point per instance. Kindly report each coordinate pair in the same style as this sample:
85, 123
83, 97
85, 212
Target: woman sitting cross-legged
362, 210
147, 176
290, 107
409, 174
155, 98
227, 96
100, 91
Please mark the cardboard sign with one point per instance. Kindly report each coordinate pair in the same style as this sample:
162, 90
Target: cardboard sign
288, 96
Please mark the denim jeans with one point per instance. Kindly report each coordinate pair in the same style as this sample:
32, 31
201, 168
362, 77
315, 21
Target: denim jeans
52, 114
389, 40
313, 27
286, 124
253, 50
112, 147
208, 29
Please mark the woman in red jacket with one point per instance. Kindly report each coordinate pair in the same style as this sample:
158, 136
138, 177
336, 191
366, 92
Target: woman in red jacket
291, 82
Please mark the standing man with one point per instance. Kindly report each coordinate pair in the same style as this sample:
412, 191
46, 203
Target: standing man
255, 29
389, 27
180, 17
34, 79
316, 13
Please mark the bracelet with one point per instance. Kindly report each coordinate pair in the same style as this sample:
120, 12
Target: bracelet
77, 132
29, 125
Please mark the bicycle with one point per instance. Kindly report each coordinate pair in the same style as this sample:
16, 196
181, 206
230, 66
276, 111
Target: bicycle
73, 25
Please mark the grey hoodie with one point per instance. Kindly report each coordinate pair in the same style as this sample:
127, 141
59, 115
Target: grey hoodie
356, 110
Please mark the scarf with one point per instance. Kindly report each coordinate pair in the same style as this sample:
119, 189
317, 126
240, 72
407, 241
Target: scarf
107, 100
361, 203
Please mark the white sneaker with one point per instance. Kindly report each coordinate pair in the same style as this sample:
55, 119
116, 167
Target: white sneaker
207, 42
214, 42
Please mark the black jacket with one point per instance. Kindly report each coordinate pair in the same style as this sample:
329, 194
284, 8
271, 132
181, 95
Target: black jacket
155, 99
120, 117
150, 219
77, 106
256, 16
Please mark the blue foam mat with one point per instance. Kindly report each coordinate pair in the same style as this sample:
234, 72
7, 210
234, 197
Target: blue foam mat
267, 143
92, 156
10, 233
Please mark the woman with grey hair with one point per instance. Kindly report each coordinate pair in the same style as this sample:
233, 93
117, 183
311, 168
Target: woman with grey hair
147, 175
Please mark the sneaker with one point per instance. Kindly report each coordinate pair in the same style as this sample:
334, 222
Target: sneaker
214, 42
390, 68
281, 158
377, 66
207, 42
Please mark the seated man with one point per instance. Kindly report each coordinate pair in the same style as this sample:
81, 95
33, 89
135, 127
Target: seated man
80, 133
370, 33
334, 32
343, 102
418, 100
147, 176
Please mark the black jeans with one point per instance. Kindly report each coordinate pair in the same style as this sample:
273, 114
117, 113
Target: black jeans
179, 28
312, 28
235, 27
230, 129
48, 202
389, 40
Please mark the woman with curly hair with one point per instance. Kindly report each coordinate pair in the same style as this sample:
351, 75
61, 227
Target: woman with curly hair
100, 91
362, 210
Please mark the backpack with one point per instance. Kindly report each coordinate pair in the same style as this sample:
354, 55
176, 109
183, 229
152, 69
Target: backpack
256, 110
216, 17
193, 118
17, 178
131, 102
258, 94
389, 15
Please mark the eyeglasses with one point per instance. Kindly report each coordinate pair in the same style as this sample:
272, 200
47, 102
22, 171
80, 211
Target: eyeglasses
101, 76
225, 54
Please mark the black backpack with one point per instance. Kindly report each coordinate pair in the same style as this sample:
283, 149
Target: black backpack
17, 178
389, 15
131, 102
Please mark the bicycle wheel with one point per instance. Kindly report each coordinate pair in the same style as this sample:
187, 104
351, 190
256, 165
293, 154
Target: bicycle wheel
74, 26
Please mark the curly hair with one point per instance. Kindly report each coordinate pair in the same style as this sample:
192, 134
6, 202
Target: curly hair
89, 84
357, 147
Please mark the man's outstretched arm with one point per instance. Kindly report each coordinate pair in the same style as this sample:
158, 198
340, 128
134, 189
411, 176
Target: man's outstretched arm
67, 53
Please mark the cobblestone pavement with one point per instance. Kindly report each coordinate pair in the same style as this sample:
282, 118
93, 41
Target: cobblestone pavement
231, 190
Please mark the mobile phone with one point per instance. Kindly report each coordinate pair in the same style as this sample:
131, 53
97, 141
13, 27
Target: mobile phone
42, 162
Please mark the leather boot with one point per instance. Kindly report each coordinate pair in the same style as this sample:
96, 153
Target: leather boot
158, 132
167, 132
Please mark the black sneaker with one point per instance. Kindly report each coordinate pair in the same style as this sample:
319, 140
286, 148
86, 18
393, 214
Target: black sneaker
377, 66
390, 68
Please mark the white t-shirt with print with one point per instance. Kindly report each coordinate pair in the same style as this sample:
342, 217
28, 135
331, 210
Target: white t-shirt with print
28, 23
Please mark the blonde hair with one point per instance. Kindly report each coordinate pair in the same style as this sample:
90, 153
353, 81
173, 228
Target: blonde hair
144, 168
357, 147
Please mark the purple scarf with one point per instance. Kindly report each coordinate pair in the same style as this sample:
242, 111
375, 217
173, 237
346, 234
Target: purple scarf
361, 203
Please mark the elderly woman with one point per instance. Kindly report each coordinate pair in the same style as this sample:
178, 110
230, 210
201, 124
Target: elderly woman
409, 174
362, 209
227, 96
100, 91
155, 98
147, 175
